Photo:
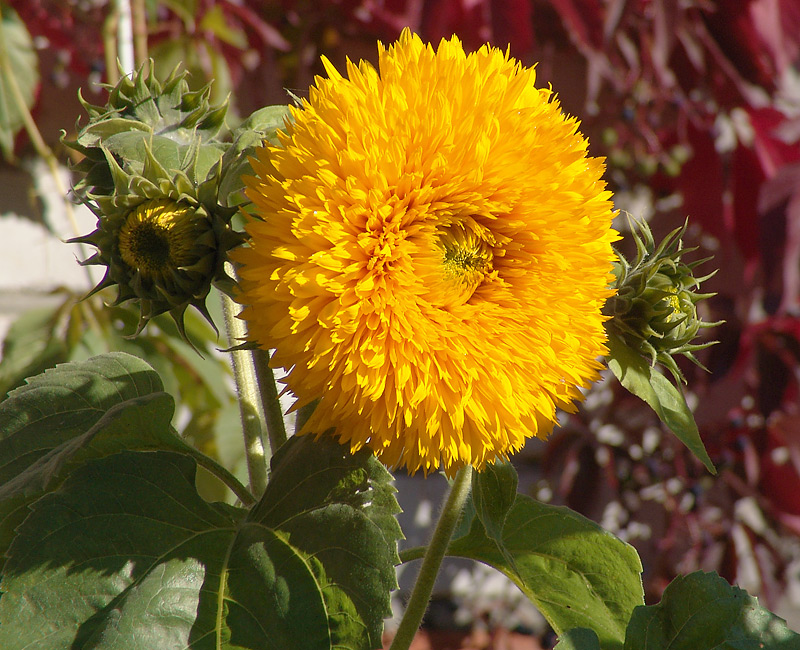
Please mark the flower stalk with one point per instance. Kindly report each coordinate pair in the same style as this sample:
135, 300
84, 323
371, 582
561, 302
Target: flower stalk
251, 408
421, 594
273, 413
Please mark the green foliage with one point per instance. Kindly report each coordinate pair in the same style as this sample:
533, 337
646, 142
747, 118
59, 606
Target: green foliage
71, 414
664, 397
700, 611
73, 330
30, 346
579, 638
494, 491
338, 510
19, 77
262, 125
577, 574
109, 545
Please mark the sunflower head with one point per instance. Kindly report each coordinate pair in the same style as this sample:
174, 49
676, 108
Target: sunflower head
432, 256
655, 309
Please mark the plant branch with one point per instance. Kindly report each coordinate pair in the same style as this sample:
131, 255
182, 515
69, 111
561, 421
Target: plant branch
421, 594
413, 553
208, 463
250, 403
276, 429
139, 12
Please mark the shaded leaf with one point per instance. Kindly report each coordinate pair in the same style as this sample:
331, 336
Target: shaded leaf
576, 573
666, 399
71, 414
702, 611
30, 346
339, 509
126, 555
18, 68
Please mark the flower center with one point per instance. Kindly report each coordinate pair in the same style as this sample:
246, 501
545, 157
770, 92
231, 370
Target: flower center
466, 260
157, 237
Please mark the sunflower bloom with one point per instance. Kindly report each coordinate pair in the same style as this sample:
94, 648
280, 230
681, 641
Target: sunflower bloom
433, 256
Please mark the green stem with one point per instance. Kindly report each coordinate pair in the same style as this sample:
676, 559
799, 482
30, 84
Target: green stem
208, 463
250, 405
110, 48
276, 429
139, 12
434, 554
413, 553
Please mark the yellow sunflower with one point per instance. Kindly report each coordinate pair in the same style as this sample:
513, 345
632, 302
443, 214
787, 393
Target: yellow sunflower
433, 258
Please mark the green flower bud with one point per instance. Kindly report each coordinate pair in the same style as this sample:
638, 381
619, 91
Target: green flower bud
177, 124
152, 176
655, 309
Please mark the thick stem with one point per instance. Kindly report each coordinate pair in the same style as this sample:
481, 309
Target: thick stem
434, 554
110, 48
139, 12
276, 429
125, 35
250, 406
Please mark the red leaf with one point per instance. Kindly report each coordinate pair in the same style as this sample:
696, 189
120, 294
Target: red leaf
584, 21
512, 23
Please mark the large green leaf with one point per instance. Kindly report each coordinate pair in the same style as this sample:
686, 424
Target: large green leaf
339, 509
576, 573
19, 76
666, 399
126, 555
73, 413
702, 611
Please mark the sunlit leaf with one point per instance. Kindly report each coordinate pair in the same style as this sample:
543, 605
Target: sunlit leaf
701, 611
18, 72
576, 573
666, 399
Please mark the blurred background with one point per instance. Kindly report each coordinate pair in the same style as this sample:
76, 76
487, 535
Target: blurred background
695, 104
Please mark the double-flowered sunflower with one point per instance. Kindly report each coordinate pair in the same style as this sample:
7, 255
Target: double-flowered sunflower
433, 255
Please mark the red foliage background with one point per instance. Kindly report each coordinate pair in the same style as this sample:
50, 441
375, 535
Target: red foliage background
696, 106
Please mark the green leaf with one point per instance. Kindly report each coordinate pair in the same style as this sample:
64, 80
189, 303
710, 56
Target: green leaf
71, 414
262, 125
494, 491
30, 346
702, 611
666, 399
19, 76
338, 510
576, 573
126, 555
578, 638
